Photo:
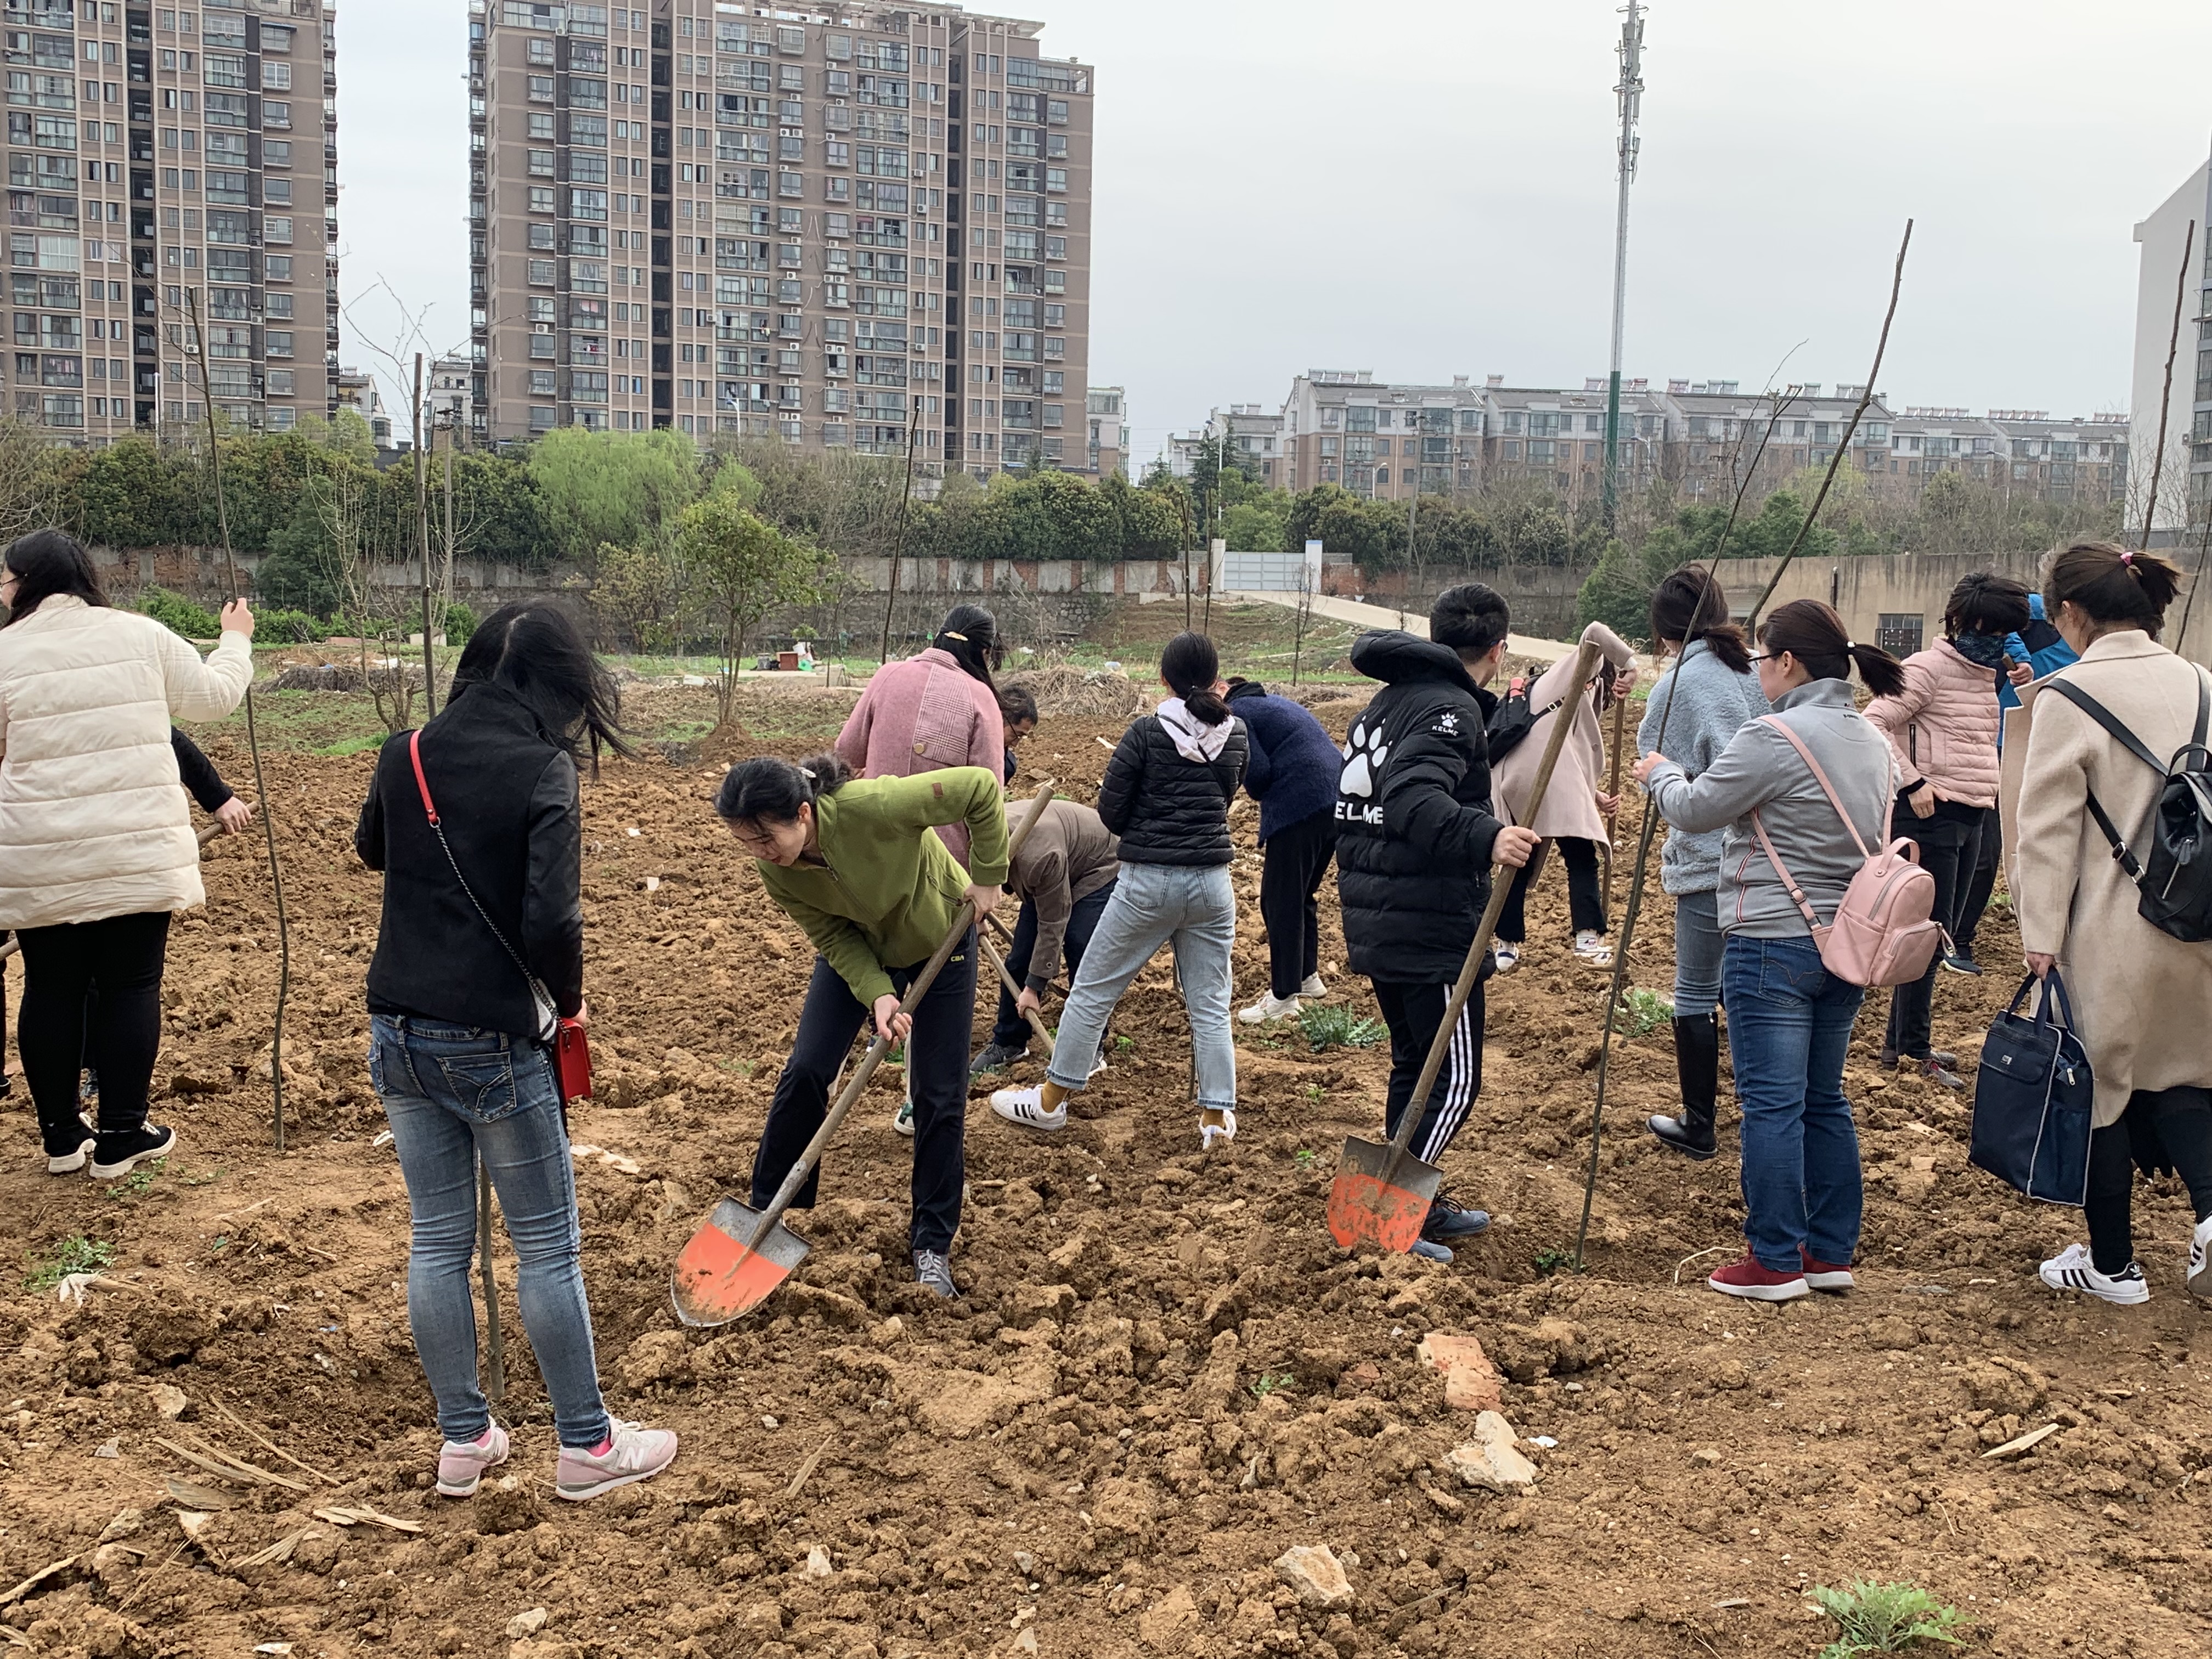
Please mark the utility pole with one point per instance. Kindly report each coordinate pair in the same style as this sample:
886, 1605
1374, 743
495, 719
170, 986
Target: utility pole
1630, 94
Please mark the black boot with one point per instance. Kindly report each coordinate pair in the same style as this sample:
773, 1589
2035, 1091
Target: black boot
1697, 1064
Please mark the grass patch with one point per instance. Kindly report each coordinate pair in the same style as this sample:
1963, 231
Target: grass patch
1332, 1025
138, 1182
1886, 1618
1268, 1385
1644, 1012
1548, 1262
74, 1255
353, 746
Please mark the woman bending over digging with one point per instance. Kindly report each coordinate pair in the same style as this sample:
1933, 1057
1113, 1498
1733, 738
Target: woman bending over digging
859, 865
481, 942
1166, 795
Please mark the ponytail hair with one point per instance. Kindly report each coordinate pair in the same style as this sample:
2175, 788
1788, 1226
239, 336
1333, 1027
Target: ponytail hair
1689, 604
970, 636
1191, 665
2112, 586
769, 790
1811, 631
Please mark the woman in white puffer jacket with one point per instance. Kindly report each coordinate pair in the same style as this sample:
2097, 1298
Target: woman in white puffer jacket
96, 844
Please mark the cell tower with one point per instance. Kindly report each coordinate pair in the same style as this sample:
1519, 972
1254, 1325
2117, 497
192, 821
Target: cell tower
1630, 92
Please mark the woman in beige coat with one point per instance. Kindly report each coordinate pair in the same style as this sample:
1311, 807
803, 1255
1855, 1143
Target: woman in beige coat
2141, 997
1577, 811
96, 843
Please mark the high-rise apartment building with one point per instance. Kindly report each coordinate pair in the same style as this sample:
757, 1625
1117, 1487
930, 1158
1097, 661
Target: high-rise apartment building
818, 224
152, 150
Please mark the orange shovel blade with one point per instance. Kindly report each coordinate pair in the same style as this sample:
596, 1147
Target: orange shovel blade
1380, 1198
719, 1279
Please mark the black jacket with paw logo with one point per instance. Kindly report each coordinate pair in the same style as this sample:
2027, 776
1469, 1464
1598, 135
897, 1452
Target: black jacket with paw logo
1414, 827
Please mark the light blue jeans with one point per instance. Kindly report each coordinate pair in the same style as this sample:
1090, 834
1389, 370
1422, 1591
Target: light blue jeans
452, 1094
1195, 910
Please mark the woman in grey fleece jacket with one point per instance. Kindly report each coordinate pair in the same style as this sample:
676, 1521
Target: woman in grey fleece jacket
1789, 1019
1702, 702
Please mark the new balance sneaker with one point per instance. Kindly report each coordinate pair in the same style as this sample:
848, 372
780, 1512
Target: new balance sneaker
1449, 1221
1747, 1278
2200, 1260
1026, 1108
996, 1058
1825, 1275
115, 1156
1313, 987
2072, 1269
1269, 1007
1216, 1129
1592, 951
630, 1453
933, 1271
1428, 1250
1505, 957
462, 1463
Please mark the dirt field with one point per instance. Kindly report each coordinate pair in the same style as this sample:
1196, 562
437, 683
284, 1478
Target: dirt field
1163, 1376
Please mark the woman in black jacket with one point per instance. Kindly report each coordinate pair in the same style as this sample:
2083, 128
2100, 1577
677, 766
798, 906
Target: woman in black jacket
476, 823
1166, 795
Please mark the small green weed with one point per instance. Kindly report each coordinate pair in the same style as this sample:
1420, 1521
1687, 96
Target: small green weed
75, 1255
1268, 1385
1552, 1261
1315, 1094
1885, 1618
1645, 1012
138, 1182
1305, 1156
1332, 1025
345, 746
1123, 1044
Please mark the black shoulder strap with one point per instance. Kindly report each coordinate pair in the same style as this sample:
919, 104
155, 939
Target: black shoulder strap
2105, 717
2203, 710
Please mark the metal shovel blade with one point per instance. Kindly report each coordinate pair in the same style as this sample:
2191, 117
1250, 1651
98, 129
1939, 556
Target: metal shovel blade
1381, 1196
718, 1279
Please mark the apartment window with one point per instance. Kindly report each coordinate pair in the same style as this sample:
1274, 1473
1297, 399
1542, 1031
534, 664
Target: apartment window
541, 52
279, 342
540, 88
541, 199
280, 267
541, 382
275, 115
541, 128
281, 382
541, 163
276, 77
541, 273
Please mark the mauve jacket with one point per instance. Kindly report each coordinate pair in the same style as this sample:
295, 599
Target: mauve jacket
921, 715
1943, 726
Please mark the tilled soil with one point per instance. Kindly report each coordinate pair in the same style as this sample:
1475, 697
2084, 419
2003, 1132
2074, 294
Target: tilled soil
1163, 1377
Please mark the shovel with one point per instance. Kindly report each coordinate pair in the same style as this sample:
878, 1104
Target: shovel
1382, 1193
1005, 978
740, 1255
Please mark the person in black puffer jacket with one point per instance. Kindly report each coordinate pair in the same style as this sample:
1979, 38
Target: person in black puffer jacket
1166, 795
1416, 836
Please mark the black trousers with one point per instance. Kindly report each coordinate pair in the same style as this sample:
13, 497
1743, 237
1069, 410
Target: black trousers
2161, 1128
117, 959
1585, 896
1297, 860
937, 1074
1012, 1031
1983, 882
1414, 1011
1947, 851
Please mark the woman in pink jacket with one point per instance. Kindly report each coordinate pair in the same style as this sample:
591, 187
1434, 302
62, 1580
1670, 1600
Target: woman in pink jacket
940, 708
1943, 729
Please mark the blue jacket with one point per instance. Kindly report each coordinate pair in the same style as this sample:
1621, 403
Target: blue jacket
1295, 763
2040, 645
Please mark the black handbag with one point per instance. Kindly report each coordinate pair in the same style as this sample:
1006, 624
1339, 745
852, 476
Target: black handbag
2034, 1100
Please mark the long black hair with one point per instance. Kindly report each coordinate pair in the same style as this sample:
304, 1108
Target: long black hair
1190, 665
2113, 586
970, 634
533, 651
1688, 605
1986, 603
1811, 631
767, 789
46, 562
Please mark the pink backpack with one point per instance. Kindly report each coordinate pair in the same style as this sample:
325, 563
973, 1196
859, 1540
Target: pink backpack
1881, 934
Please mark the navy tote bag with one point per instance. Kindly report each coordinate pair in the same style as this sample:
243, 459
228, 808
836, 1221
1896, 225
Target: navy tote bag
2033, 1100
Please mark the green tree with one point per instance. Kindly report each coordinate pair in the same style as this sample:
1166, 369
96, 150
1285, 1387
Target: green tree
735, 567
597, 488
299, 570
637, 590
1619, 591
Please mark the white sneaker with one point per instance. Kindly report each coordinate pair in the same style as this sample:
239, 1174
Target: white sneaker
902, 1119
1591, 948
2200, 1260
1224, 1132
1506, 957
1026, 1108
1313, 987
2073, 1270
1268, 1007
71, 1163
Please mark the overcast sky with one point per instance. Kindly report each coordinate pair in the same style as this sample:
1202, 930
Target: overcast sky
1425, 188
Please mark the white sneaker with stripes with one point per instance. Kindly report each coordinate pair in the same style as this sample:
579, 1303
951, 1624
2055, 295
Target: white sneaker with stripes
2072, 1270
2200, 1260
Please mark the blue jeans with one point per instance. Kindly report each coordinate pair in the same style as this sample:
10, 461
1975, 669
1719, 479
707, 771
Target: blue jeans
1697, 953
1789, 1026
452, 1094
1191, 907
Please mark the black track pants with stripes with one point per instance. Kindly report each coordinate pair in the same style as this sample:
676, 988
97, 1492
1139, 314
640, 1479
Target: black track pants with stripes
1412, 1013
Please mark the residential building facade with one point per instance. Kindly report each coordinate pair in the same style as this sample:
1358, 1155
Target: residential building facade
1246, 432
2187, 408
1108, 409
164, 162
357, 391
450, 392
828, 227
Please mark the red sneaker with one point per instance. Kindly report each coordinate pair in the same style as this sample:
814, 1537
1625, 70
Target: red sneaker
1747, 1278
1825, 1275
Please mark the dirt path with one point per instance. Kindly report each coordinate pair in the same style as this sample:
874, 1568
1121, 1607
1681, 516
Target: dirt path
1165, 1373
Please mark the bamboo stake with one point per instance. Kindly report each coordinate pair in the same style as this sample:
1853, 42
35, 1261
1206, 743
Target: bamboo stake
252, 739
1612, 788
2165, 399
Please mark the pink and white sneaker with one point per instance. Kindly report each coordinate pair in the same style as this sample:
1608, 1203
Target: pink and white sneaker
630, 1453
461, 1464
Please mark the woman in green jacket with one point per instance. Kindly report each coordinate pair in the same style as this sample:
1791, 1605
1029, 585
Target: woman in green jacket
858, 864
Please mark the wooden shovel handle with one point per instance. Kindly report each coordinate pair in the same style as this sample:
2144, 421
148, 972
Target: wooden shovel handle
919, 988
1007, 979
1500, 885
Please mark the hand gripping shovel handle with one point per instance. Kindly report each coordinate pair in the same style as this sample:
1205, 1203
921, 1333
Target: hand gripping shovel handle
1007, 979
1500, 884
882, 1045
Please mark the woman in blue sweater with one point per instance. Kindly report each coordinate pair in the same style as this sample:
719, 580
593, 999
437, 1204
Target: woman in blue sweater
1719, 695
1292, 773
